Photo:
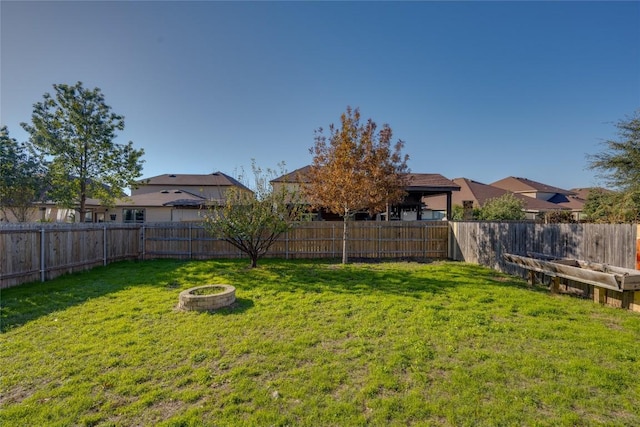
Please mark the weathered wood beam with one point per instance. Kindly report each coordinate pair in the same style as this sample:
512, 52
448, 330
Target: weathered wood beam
616, 278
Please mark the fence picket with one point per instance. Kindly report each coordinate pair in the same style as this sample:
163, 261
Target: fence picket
30, 252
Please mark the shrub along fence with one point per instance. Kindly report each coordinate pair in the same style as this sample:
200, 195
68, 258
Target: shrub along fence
614, 244
43, 251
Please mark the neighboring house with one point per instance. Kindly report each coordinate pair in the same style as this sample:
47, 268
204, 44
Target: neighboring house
48, 211
419, 185
564, 199
478, 194
174, 197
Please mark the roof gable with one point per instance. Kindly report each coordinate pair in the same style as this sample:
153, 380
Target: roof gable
524, 185
298, 176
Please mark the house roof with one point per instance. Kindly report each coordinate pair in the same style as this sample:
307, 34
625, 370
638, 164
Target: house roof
216, 179
297, 176
416, 181
583, 193
480, 193
523, 185
430, 182
173, 197
568, 201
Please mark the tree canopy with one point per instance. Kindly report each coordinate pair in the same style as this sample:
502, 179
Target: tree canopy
22, 177
505, 207
355, 168
252, 221
76, 128
603, 206
618, 165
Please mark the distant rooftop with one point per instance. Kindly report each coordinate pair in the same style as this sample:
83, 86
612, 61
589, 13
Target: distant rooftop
216, 179
523, 185
416, 181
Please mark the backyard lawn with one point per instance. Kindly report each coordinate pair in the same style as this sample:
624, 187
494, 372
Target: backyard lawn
312, 343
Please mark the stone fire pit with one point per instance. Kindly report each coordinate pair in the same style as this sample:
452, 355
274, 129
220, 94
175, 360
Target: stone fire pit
207, 297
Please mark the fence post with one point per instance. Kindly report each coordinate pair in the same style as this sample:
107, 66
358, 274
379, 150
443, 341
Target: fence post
42, 263
451, 239
190, 244
286, 245
104, 245
142, 236
333, 240
423, 244
638, 248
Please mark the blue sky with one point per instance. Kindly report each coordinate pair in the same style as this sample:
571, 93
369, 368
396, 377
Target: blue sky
482, 90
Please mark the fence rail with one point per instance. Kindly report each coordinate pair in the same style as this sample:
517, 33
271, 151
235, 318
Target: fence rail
44, 251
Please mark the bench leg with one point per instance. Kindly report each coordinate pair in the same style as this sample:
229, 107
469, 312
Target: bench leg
627, 299
555, 285
599, 295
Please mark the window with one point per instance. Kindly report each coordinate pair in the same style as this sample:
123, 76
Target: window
133, 215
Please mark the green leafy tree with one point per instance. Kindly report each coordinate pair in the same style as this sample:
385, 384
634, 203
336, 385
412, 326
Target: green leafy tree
599, 205
77, 130
619, 167
252, 221
22, 178
505, 207
458, 213
558, 217
603, 206
355, 168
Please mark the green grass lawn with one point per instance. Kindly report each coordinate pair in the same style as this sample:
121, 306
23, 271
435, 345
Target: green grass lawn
312, 343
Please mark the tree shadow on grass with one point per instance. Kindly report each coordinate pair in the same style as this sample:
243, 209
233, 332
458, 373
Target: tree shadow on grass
27, 302
240, 306
21, 304
317, 276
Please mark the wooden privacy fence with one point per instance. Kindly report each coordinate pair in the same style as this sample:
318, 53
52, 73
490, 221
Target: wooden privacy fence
43, 251
485, 242
402, 239
33, 252
617, 245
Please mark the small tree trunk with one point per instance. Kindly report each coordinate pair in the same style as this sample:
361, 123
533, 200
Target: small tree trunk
344, 238
83, 203
254, 260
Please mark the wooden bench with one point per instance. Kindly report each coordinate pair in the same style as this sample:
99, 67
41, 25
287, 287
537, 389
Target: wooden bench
601, 276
